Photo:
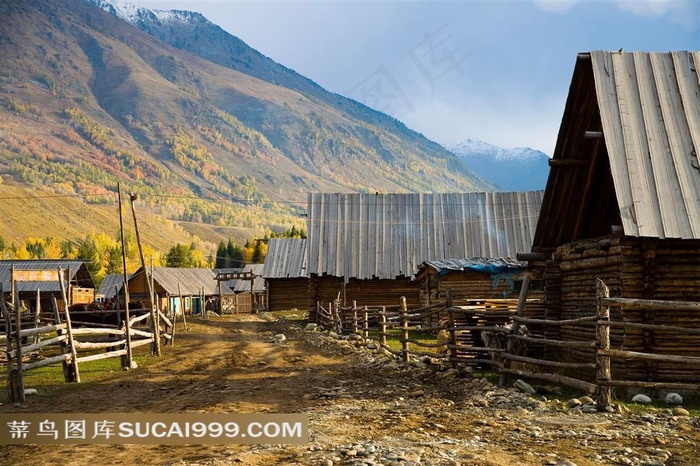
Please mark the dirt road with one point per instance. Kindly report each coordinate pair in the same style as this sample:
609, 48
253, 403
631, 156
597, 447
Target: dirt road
363, 409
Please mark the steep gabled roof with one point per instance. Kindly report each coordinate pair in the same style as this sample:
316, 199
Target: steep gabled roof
112, 285
285, 258
627, 151
385, 236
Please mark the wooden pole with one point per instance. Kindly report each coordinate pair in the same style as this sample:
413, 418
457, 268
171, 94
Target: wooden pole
382, 337
365, 324
18, 342
451, 331
37, 315
354, 317
12, 286
404, 329
182, 306
221, 298
155, 321
604, 375
63, 344
510, 345
11, 392
127, 362
69, 329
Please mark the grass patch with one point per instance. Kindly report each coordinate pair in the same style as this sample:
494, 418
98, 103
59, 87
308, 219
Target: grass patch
393, 339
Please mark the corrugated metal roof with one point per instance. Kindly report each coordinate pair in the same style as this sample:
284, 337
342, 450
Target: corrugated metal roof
285, 258
191, 281
650, 110
388, 235
258, 282
478, 264
107, 288
42, 264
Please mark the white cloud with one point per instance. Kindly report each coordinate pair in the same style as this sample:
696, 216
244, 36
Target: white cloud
684, 12
555, 6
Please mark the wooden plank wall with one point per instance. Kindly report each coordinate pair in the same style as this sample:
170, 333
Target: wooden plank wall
287, 293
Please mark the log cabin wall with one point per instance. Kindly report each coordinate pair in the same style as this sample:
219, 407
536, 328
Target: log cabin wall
374, 292
465, 285
632, 268
287, 293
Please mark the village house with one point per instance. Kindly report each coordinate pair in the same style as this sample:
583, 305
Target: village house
622, 201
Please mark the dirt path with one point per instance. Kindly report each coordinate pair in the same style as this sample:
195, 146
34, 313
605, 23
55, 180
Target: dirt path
363, 409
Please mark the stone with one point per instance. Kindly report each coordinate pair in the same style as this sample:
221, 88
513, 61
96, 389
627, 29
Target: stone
573, 403
524, 387
416, 393
678, 411
641, 399
372, 345
673, 399
280, 337
355, 337
586, 400
333, 335
30, 391
589, 408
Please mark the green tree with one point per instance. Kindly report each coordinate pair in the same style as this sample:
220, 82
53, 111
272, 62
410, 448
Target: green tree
87, 251
221, 256
180, 255
114, 261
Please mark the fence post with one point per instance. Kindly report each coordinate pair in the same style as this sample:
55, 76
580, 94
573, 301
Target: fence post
8, 342
382, 337
514, 329
404, 330
365, 324
37, 315
452, 346
75, 375
604, 374
354, 317
19, 376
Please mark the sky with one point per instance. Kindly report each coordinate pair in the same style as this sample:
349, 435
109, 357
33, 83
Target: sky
497, 71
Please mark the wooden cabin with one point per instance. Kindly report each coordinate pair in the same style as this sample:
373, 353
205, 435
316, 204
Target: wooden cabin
477, 278
622, 201
284, 272
177, 289
42, 275
367, 248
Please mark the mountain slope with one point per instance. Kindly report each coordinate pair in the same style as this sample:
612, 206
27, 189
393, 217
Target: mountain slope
518, 169
87, 101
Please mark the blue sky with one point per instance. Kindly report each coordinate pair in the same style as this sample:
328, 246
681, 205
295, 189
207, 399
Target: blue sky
498, 71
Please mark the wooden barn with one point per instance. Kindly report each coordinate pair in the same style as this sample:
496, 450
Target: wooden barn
286, 280
42, 274
367, 248
177, 289
622, 201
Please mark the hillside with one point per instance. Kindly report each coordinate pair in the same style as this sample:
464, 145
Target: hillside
88, 100
517, 169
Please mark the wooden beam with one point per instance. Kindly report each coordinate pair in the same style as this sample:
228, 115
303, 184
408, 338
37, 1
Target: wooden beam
568, 163
593, 134
533, 256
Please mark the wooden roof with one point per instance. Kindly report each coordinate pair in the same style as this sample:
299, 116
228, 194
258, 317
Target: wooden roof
627, 151
258, 282
80, 276
285, 258
190, 281
385, 236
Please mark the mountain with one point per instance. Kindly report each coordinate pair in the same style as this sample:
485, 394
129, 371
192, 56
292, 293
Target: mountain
209, 132
518, 169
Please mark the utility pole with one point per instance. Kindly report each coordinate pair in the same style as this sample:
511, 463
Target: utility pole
155, 318
128, 364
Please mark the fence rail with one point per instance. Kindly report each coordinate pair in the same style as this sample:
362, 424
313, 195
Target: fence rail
457, 339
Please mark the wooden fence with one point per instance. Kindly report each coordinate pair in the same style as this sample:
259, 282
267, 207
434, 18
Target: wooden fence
29, 334
592, 367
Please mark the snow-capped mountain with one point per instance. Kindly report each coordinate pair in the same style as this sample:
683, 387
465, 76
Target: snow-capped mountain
516, 169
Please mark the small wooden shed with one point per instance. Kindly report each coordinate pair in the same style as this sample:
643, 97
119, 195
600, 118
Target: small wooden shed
622, 201
284, 272
250, 291
42, 274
